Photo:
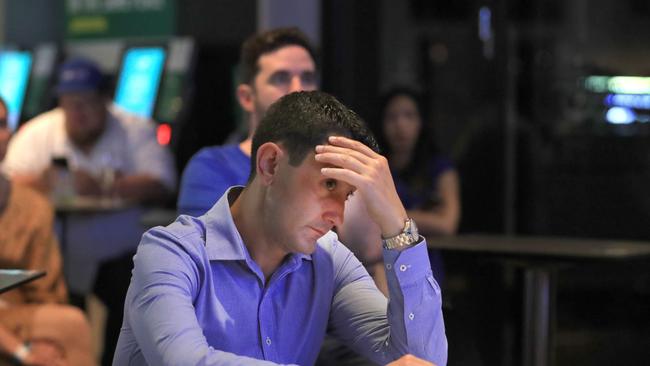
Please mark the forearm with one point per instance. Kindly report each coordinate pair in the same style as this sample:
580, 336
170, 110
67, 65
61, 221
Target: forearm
34, 181
435, 223
141, 188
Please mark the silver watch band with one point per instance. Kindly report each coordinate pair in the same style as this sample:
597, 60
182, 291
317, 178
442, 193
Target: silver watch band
408, 237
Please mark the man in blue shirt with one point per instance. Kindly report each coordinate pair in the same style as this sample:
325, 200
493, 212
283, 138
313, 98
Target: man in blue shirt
272, 64
260, 278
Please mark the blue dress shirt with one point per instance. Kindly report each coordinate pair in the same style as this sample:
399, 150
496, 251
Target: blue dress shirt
197, 298
208, 175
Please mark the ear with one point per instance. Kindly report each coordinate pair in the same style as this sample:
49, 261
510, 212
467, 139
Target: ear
246, 97
268, 158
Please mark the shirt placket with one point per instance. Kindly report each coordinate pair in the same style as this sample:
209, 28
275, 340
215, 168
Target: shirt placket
267, 320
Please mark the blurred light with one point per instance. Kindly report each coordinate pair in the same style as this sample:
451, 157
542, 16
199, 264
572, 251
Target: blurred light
618, 84
628, 100
643, 118
485, 31
620, 116
164, 134
485, 23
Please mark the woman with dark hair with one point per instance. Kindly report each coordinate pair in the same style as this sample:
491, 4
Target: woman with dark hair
426, 181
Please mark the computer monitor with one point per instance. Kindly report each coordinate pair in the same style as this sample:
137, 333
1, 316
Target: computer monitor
15, 67
139, 79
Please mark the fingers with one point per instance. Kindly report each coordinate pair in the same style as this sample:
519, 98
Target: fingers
353, 145
352, 162
331, 149
350, 154
345, 175
341, 160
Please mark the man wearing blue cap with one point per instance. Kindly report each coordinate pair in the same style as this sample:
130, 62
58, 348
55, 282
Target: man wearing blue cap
108, 153
88, 132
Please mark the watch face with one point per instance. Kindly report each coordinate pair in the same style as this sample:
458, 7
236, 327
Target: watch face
407, 237
412, 228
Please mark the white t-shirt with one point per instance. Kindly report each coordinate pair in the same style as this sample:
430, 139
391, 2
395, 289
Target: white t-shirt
129, 144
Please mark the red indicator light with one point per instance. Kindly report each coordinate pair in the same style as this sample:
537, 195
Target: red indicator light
164, 134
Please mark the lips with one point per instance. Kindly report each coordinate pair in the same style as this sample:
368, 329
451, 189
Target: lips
320, 232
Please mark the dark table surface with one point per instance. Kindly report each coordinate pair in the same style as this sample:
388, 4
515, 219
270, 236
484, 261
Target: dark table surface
535, 246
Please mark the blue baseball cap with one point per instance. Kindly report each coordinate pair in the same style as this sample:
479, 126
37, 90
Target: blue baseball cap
79, 75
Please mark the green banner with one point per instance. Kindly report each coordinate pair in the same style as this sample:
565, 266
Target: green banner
94, 19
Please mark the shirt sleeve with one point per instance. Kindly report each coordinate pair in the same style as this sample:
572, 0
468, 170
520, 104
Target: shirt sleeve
382, 330
27, 153
166, 278
202, 185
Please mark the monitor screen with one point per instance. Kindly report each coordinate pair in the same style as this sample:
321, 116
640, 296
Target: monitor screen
139, 79
14, 76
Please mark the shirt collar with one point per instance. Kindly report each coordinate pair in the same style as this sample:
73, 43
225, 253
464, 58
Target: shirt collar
222, 239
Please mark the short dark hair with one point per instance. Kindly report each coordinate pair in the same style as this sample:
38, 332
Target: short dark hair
262, 43
299, 121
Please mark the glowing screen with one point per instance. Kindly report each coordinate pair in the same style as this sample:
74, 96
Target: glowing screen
14, 76
139, 80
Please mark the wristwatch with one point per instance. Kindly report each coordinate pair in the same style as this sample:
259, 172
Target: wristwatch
406, 238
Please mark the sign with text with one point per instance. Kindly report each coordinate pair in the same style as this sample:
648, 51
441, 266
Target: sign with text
94, 19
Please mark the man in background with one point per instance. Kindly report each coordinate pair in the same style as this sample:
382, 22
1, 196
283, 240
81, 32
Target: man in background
272, 64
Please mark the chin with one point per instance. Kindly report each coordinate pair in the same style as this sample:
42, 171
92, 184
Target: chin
307, 248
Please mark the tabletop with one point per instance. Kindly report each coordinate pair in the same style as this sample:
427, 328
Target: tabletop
542, 246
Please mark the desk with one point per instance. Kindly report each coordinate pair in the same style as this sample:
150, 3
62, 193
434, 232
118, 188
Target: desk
81, 206
538, 256
93, 231
158, 217
11, 278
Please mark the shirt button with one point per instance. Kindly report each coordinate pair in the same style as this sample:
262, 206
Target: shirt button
402, 267
411, 316
389, 266
268, 341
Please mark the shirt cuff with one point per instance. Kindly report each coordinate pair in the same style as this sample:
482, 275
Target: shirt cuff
409, 265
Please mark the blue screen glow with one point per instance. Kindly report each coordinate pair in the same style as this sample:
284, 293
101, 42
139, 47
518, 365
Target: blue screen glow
14, 76
620, 116
138, 83
628, 100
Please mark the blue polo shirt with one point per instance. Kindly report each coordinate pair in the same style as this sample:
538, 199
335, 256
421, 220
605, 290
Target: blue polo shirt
208, 175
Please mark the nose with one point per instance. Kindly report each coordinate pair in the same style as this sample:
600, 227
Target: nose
333, 210
296, 84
